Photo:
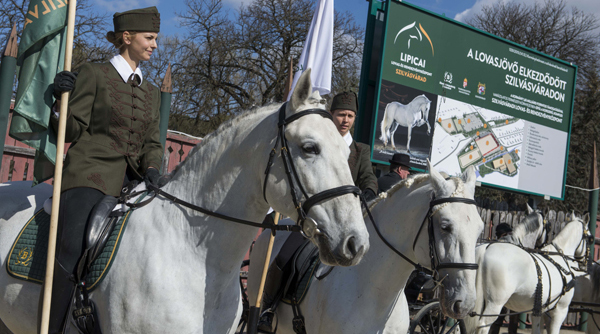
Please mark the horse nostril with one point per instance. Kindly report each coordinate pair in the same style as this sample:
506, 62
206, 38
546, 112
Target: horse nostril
351, 246
457, 306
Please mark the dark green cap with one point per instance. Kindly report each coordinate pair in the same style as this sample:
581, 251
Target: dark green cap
144, 19
345, 100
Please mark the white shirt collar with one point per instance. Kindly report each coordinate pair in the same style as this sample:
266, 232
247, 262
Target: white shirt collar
348, 138
125, 71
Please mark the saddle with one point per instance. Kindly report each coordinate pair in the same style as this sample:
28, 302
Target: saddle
107, 222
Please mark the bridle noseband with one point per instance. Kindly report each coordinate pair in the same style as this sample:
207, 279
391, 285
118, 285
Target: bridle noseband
432, 250
309, 227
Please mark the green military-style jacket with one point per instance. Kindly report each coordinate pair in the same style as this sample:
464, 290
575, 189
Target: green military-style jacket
112, 126
360, 166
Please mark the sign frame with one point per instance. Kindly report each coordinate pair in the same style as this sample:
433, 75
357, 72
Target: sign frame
372, 121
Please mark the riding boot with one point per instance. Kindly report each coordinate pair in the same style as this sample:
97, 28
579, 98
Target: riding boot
270, 298
75, 207
63, 286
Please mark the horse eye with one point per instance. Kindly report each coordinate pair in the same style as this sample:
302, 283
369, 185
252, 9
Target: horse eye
446, 227
311, 148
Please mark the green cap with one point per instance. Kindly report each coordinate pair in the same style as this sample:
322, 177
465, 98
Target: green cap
346, 101
144, 19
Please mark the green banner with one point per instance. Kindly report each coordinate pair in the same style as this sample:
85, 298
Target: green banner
460, 97
41, 56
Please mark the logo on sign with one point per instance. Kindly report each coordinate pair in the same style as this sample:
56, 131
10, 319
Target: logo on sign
448, 77
414, 33
465, 83
481, 89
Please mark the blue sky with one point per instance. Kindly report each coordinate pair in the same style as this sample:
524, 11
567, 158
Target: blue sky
456, 9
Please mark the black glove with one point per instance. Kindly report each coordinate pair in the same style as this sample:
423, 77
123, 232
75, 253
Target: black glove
152, 177
64, 82
369, 195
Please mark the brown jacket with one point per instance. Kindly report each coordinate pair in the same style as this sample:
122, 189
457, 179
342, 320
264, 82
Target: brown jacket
112, 126
360, 166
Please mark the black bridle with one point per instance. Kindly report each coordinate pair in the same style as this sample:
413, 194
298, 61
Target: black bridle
308, 226
432, 249
305, 225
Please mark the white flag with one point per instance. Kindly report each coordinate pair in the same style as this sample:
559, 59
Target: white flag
318, 49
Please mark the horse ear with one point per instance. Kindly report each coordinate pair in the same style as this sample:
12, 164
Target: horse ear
470, 177
586, 218
302, 90
438, 182
529, 210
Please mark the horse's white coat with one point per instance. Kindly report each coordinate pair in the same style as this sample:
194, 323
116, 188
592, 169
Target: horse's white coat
507, 276
177, 270
369, 297
416, 113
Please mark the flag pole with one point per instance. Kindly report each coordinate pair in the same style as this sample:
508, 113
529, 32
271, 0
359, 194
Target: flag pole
60, 148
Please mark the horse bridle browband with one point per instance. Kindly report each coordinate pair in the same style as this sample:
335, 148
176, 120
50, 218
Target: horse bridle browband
305, 225
432, 249
308, 226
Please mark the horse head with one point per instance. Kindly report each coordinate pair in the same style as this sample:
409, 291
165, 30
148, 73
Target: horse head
582, 250
455, 227
319, 158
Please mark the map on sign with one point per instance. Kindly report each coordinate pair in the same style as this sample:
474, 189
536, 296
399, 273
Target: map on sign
468, 135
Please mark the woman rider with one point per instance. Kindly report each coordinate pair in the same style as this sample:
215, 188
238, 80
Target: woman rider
113, 125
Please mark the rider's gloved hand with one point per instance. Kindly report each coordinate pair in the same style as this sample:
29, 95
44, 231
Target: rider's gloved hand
152, 177
369, 195
64, 81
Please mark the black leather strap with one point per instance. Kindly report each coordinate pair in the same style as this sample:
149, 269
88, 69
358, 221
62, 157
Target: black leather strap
451, 200
285, 121
329, 193
466, 266
158, 191
390, 246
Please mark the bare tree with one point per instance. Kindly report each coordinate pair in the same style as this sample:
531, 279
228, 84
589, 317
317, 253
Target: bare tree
235, 64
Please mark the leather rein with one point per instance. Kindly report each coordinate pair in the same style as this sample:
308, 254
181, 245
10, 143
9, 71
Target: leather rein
432, 249
305, 225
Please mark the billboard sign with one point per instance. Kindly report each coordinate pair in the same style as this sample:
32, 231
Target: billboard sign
461, 97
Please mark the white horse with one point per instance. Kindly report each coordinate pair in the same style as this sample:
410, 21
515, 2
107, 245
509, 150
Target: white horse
530, 233
508, 276
416, 113
369, 297
587, 290
177, 270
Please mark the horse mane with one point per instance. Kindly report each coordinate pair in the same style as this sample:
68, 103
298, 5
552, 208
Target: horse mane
225, 128
417, 180
531, 224
559, 239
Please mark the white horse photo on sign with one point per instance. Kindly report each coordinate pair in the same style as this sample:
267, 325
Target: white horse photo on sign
411, 115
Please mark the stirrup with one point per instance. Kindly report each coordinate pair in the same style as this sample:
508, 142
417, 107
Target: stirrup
265, 322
